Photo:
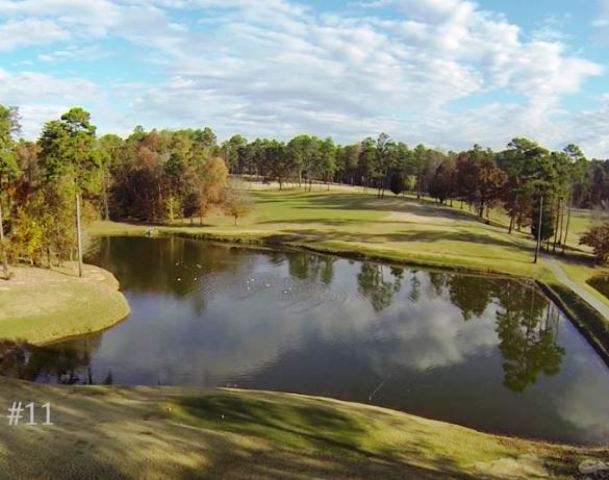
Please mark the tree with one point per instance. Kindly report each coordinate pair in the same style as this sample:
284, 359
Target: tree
443, 185
303, 150
68, 151
542, 218
234, 149
110, 147
383, 159
577, 183
237, 202
214, 177
326, 163
480, 180
346, 163
366, 161
420, 158
518, 163
9, 124
396, 183
597, 237
400, 169
277, 163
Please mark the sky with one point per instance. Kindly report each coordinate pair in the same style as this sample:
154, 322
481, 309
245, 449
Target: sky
447, 73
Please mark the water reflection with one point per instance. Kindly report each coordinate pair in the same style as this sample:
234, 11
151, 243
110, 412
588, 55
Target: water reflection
379, 284
63, 365
527, 329
460, 348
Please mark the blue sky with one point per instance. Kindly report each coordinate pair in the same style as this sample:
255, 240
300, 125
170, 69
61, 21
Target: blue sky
448, 73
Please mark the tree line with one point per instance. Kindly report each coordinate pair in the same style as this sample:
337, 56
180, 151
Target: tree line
70, 174
536, 187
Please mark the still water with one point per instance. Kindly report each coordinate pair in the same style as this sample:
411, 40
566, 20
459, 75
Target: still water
488, 353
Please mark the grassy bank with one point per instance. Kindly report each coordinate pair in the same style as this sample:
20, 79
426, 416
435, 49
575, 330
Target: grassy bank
164, 432
350, 222
393, 228
42, 306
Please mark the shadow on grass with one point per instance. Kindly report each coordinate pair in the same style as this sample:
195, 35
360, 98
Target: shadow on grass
298, 426
356, 201
111, 433
404, 236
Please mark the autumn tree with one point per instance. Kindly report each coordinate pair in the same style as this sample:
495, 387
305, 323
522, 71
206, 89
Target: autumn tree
237, 201
214, 177
597, 237
9, 169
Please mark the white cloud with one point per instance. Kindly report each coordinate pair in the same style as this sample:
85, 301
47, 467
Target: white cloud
72, 53
42, 97
275, 67
602, 19
22, 33
29, 87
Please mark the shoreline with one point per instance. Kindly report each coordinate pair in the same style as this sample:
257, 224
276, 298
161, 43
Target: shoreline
588, 321
547, 455
43, 307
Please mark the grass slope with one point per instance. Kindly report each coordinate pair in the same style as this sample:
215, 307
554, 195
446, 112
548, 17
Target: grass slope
165, 432
42, 306
394, 228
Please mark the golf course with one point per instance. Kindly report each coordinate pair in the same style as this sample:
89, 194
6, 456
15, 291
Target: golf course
298, 240
185, 432
352, 221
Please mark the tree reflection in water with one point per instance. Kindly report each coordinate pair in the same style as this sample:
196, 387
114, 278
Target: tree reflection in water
312, 267
68, 364
525, 322
379, 284
527, 329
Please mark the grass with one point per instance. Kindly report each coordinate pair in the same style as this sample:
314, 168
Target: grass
42, 306
595, 326
165, 432
393, 228
349, 221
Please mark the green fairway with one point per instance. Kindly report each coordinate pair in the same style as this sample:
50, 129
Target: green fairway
397, 228
393, 227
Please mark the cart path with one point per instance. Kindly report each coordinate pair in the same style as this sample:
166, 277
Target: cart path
562, 276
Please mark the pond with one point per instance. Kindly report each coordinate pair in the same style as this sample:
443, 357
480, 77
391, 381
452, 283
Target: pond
488, 353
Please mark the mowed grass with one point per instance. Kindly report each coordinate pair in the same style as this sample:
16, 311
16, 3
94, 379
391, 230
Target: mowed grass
42, 306
348, 220
170, 433
394, 228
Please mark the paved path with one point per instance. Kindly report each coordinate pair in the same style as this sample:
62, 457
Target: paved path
581, 291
